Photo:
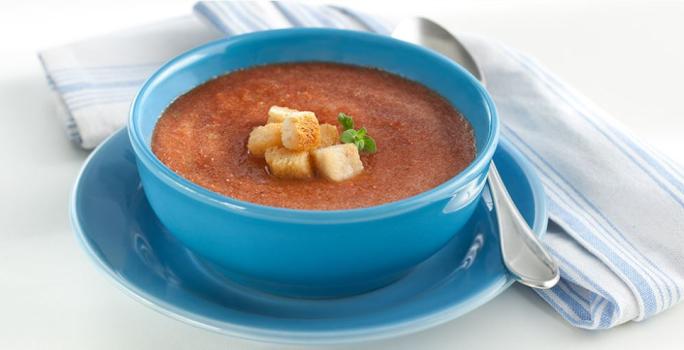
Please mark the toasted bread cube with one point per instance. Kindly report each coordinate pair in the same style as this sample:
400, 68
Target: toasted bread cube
339, 162
287, 164
301, 132
264, 137
277, 114
329, 135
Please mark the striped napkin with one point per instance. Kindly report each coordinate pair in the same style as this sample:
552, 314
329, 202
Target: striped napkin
616, 206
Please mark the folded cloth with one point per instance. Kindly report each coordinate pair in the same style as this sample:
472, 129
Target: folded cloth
95, 80
616, 207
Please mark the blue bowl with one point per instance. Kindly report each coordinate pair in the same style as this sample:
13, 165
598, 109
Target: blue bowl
312, 253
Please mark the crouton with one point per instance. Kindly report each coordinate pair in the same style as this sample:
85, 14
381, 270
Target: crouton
277, 114
329, 135
339, 162
264, 137
301, 132
287, 164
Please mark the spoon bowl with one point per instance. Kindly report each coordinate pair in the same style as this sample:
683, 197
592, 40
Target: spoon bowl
424, 32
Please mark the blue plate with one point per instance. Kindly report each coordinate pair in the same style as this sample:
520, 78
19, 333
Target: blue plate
118, 229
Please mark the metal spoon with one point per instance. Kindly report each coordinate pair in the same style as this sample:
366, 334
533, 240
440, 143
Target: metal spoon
524, 256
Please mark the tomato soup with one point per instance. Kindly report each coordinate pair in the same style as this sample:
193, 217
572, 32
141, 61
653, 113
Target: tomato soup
422, 140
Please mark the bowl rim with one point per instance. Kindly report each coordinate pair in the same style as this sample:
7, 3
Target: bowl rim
446, 189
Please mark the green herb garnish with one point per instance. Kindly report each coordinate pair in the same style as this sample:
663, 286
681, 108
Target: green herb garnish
359, 137
346, 121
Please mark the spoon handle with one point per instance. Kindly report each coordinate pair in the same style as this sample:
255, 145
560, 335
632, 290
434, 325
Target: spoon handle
523, 254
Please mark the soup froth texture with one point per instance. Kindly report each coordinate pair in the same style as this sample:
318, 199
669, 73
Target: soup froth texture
422, 141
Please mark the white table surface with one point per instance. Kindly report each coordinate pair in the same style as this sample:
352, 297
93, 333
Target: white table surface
627, 56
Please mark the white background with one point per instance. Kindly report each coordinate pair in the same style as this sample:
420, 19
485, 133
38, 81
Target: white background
627, 56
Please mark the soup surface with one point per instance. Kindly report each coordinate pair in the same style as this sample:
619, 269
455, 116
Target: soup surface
422, 141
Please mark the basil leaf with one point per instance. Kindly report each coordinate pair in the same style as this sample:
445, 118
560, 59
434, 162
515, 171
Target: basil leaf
360, 144
346, 121
369, 145
348, 136
359, 138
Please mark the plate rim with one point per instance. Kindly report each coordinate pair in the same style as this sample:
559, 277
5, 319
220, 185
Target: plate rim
389, 330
